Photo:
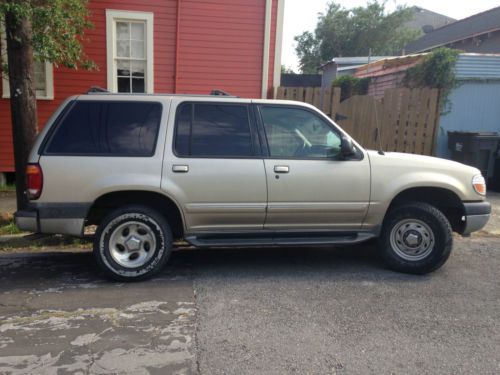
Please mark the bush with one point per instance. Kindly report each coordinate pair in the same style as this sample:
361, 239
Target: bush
351, 86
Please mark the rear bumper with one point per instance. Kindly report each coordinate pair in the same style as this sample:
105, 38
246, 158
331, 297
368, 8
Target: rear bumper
53, 218
477, 215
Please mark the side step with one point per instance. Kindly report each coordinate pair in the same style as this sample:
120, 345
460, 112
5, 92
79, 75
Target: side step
277, 239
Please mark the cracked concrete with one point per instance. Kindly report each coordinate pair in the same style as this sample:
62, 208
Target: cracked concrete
59, 317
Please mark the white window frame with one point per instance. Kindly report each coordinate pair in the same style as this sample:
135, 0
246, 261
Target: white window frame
114, 16
49, 73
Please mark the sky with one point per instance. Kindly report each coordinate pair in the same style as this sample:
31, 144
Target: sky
301, 15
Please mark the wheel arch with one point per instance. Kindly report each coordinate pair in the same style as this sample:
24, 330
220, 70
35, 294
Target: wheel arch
445, 200
155, 200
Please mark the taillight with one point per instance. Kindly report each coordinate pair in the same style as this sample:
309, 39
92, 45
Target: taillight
34, 181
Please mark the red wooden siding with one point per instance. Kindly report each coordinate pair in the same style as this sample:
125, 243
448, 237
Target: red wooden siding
221, 46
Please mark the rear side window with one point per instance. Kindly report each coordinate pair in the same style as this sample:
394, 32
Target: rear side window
213, 130
107, 129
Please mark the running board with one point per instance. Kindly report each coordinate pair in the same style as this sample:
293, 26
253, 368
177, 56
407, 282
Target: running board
288, 239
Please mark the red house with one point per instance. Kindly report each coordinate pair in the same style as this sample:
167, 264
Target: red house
165, 46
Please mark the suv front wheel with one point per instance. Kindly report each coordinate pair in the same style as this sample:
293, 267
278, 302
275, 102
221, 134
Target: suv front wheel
132, 243
416, 238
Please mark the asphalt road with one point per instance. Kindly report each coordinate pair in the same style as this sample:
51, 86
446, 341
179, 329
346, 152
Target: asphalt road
254, 311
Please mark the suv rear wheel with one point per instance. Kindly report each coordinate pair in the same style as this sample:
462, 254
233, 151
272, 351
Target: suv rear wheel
132, 243
416, 238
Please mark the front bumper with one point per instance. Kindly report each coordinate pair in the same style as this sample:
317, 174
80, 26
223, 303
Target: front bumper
53, 218
476, 215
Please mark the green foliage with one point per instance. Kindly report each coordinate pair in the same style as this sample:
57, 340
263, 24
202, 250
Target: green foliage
354, 32
285, 70
350, 86
9, 229
437, 70
58, 29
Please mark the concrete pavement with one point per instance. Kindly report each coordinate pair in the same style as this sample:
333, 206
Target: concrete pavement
253, 311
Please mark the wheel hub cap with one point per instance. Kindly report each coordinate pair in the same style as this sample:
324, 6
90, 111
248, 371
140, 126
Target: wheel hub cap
412, 239
132, 244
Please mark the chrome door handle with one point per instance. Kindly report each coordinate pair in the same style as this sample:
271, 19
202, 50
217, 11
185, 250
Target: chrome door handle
281, 169
180, 168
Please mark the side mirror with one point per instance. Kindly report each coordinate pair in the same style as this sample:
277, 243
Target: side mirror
347, 148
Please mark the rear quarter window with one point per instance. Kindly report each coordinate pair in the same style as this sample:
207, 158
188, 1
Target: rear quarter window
107, 128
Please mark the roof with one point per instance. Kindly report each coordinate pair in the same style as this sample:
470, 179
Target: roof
426, 20
353, 60
468, 66
389, 65
474, 25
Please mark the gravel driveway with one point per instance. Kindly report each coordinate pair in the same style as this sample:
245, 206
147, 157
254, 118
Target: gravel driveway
257, 311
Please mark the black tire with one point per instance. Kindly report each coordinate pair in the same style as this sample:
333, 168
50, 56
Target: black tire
436, 225
158, 239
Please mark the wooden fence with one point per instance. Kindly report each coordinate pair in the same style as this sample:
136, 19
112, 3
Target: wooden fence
406, 120
328, 100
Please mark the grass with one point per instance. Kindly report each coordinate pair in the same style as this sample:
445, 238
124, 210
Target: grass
8, 187
9, 229
50, 242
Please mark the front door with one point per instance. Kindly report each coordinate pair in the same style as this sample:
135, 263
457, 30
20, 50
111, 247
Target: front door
213, 167
309, 186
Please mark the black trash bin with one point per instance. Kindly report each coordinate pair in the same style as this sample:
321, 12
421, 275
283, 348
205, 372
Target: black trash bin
477, 149
494, 182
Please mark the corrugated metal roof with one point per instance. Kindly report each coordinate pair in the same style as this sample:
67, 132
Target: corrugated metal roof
477, 66
471, 26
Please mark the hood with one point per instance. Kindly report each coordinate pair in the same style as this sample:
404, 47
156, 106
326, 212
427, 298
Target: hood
422, 161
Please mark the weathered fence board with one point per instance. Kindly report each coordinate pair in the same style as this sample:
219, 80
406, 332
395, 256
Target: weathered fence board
404, 120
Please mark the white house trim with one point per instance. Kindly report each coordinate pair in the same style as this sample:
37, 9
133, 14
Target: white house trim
278, 45
112, 16
267, 43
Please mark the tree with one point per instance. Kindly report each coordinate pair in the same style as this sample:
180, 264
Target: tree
45, 30
286, 70
354, 32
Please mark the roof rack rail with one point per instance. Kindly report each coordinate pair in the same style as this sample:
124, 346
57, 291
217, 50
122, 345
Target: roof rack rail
94, 89
218, 92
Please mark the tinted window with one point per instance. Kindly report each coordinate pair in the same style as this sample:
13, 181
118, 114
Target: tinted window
107, 128
213, 130
297, 133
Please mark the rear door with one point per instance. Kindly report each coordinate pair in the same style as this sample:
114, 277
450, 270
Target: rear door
309, 185
213, 165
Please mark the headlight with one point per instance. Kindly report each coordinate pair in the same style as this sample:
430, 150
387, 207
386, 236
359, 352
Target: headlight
479, 184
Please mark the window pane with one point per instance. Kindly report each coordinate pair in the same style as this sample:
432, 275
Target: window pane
113, 128
131, 128
137, 49
124, 84
183, 127
294, 132
79, 131
123, 68
220, 130
138, 85
138, 68
122, 31
123, 48
40, 78
138, 31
